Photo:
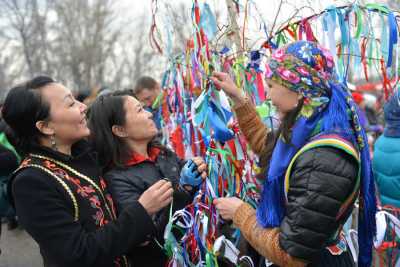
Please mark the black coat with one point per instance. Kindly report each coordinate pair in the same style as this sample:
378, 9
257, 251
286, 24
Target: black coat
321, 180
46, 211
127, 184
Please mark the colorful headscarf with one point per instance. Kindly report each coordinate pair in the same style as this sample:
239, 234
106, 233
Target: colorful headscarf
308, 69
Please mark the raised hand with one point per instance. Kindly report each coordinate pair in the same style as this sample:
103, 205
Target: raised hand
157, 196
223, 81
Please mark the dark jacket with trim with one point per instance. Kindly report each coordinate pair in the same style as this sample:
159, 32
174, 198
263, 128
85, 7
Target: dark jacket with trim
321, 180
46, 211
126, 186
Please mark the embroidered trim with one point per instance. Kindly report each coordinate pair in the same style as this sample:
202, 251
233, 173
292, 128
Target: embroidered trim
90, 181
111, 211
63, 184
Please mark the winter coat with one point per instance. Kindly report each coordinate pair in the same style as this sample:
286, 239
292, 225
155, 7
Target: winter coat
70, 214
386, 167
128, 183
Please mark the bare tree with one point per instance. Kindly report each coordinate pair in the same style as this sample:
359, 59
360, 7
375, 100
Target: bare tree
72, 40
86, 38
27, 23
8, 75
135, 56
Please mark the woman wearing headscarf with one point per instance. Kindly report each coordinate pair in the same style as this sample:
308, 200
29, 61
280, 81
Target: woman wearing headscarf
316, 165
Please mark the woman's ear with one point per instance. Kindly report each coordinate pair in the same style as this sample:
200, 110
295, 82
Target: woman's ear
45, 128
119, 131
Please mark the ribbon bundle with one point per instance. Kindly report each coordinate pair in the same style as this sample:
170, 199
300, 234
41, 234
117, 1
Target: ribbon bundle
368, 40
197, 119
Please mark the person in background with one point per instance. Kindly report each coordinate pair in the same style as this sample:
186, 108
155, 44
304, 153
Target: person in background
386, 161
9, 162
148, 91
359, 100
370, 108
94, 93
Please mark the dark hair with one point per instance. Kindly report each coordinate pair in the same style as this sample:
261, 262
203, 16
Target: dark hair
285, 129
23, 107
144, 82
106, 111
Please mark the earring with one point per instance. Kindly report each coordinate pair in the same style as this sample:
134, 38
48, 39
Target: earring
53, 142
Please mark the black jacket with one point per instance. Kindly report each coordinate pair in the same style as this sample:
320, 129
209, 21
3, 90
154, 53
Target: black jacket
127, 184
321, 180
45, 210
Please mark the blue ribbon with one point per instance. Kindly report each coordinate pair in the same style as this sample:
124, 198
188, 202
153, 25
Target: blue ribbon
208, 21
218, 121
392, 37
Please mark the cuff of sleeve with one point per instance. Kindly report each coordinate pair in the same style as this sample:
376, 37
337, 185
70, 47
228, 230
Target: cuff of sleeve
244, 212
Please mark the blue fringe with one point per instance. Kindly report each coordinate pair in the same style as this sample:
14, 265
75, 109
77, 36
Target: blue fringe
271, 209
337, 120
366, 216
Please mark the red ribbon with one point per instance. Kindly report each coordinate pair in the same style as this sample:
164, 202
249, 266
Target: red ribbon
363, 58
177, 142
387, 86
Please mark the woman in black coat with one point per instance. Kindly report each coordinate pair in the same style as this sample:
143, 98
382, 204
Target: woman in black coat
60, 197
316, 165
124, 136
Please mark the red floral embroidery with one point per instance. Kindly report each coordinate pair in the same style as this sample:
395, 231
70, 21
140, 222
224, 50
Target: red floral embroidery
86, 191
103, 184
25, 162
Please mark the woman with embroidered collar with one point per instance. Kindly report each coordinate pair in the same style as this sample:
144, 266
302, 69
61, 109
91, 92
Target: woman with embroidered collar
60, 197
315, 166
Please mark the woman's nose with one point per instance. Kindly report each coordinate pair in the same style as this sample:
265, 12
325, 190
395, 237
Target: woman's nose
83, 107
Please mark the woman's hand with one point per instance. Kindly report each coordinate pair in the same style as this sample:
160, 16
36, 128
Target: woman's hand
227, 206
156, 196
193, 173
223, 81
